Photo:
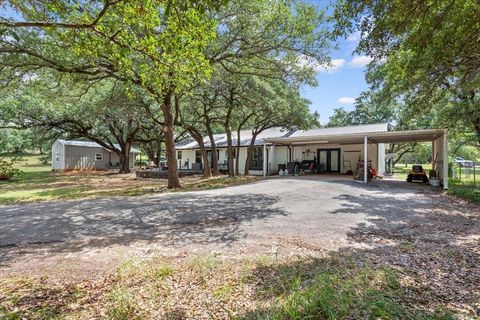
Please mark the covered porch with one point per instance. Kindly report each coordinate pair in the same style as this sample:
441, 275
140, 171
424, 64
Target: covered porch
367, 146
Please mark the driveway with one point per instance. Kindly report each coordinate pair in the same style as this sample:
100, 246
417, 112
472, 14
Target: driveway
279, 214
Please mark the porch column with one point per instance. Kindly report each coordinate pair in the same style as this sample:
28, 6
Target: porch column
264, 159
445, 160
365, 159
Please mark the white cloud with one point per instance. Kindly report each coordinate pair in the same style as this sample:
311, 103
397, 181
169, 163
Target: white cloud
360, 61
333, 66
346, 100
354, 37
327, 67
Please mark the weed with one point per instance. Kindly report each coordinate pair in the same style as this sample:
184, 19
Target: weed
122, 306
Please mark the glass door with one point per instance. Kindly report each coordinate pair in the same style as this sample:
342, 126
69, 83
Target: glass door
328, 160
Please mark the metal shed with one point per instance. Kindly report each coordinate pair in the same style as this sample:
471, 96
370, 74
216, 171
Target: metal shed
85, 155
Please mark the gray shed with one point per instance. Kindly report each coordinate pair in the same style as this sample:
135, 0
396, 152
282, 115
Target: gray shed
85, 155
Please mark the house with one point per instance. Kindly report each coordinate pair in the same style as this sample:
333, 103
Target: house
333, 150
85, 155
188, 152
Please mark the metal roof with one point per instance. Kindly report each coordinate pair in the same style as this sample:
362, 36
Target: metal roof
91, 144
366, 128
423, 135
245, 138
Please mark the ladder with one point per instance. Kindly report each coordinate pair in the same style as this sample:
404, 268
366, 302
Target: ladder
347, 166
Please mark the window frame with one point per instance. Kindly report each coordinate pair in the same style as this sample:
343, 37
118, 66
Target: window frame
57, 157
179, 154
97, 158
256, 159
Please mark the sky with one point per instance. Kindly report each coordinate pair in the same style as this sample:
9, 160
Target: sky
338, 85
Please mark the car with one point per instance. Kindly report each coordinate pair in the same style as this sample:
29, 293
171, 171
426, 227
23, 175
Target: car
461, 162
417, 174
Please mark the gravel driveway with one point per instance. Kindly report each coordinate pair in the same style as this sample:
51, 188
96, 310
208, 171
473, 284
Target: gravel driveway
294, 213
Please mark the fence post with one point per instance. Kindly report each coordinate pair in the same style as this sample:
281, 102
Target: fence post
474, 174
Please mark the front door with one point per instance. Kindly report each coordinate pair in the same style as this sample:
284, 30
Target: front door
328, 160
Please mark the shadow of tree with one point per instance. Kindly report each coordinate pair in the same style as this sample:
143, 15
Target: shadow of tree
173, 220
432, 243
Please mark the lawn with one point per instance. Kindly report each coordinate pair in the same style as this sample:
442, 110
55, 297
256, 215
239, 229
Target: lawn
39, 183
208, 287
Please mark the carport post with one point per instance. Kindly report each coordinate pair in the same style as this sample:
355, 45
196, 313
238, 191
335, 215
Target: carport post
264, 159
365, 164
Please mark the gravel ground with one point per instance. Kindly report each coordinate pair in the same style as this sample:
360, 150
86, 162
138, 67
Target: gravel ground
318, 212
410, 227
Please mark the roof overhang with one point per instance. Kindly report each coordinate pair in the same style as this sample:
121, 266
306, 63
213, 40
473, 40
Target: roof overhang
424, 135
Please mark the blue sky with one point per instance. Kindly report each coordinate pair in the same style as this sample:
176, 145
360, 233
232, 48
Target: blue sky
337, 86
340, 84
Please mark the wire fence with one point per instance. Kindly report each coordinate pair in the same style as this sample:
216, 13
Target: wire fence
467, 174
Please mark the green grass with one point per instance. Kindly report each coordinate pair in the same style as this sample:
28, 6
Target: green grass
121, 305
39, 183
345, 294
465, 191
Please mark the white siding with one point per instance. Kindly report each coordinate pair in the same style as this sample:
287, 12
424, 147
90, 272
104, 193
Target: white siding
58, 156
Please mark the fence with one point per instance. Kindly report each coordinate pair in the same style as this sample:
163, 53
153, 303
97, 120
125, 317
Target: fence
468, 174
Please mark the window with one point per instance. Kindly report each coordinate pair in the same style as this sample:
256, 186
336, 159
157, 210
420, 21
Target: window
198, 156
179, 155
98, 156
256, 159
234, 153
57, 157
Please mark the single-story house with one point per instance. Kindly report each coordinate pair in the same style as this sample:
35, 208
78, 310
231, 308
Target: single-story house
85, 155
333, 150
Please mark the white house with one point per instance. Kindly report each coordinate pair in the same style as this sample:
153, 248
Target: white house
85, 155
333, 150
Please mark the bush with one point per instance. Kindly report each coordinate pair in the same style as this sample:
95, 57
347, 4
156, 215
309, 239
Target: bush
7, 169
139, 163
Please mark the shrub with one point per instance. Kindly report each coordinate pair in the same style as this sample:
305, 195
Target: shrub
7, 169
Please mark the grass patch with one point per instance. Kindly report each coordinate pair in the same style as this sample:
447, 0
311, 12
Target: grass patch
329, 288
122, 305
464, 191
344, 294
39, 183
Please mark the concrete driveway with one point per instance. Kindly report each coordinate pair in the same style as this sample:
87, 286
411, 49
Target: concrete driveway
310, 212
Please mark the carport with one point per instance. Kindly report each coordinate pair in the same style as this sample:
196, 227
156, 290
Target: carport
438, 138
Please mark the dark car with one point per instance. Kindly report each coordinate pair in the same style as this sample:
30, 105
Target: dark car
417, 174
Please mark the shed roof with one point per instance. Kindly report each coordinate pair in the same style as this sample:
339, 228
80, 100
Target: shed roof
245, 138
90, 144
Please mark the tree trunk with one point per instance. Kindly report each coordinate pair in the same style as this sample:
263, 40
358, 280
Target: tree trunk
228, 132
215, 171
207, 172
476, 125
231, 172
237, 153
249, 152
124, 156
173, 180
407, 150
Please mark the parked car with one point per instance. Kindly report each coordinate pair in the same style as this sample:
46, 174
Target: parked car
463, 163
